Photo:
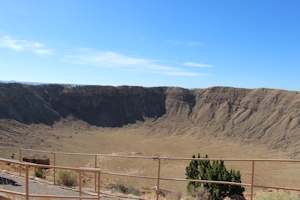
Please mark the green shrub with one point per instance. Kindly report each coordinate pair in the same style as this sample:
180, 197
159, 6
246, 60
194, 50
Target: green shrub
67, 178
276, 196
215, 171
40, 173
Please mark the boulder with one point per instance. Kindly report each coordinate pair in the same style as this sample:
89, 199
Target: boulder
37, 160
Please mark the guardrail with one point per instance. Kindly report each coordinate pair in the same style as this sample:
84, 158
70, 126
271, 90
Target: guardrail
97, 173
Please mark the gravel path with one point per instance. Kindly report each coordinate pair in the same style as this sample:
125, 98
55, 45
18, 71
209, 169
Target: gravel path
37, 187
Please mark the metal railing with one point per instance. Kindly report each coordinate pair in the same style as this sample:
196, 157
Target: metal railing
158, 178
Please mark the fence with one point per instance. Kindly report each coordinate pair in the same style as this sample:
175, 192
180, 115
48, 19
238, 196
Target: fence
96, 170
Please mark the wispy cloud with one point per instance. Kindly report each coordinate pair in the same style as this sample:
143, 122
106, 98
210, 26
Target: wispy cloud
194, 64
109, 59
185, 43
24, 45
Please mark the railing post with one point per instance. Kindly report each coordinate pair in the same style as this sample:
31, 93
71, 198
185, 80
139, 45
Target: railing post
80, 184
54, 169
27, 183
20, 160
158, 179
95, 176
252, 180
98, 189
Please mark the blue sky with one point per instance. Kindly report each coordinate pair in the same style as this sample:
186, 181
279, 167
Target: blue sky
193, 44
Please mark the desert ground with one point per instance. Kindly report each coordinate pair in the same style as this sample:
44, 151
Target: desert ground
145, 139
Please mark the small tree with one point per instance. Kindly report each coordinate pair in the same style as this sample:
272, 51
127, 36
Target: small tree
216, 171
192, 172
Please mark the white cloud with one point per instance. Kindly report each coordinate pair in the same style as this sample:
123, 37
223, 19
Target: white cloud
199, 65
185, 43
109, 59
24, 45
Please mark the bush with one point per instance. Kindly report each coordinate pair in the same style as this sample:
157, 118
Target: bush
40, 173
277, 196
119, 187
200, 193
215, 171
67, 178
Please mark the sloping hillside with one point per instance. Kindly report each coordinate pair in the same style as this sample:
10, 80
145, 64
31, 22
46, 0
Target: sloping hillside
271, 116
102, 106
265, 115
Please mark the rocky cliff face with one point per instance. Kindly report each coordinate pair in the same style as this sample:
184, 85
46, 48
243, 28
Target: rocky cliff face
266, 115
98, 105
263, 114
21, 103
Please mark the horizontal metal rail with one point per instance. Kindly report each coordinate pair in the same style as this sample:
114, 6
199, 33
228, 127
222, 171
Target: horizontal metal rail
278, 188
129, 175
61, 196
205, 181
12, 192
154, 157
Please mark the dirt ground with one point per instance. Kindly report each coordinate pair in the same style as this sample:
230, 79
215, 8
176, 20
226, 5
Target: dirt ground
136, 140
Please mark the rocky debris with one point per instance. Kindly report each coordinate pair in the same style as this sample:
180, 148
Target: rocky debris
7, 181
37, 160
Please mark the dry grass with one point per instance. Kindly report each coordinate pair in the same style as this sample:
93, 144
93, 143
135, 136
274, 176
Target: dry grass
4, 198
277, 196
67, 178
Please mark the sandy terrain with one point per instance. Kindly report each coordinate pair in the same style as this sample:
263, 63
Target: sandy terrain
137, 140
